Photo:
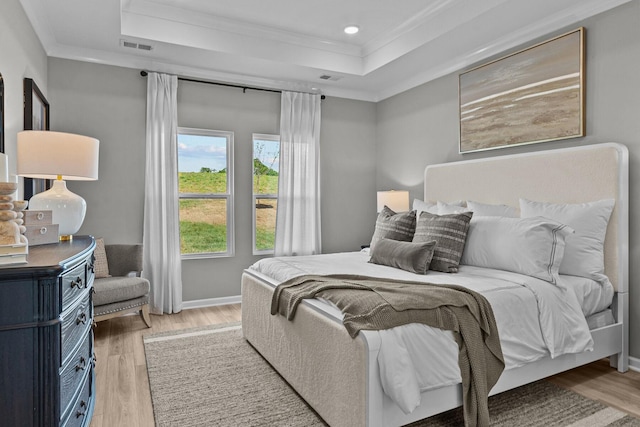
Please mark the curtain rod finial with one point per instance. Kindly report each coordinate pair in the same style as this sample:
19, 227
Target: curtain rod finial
143, 73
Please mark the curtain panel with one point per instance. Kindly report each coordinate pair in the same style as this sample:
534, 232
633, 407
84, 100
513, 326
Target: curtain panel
161, 238
298, 216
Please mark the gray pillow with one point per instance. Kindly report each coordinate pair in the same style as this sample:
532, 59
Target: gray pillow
409, 256
395, 226
450, 234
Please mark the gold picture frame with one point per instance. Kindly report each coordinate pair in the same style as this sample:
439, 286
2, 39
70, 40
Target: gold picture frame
530, 96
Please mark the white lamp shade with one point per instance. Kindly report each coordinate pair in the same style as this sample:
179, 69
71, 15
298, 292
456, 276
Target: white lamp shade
397, 201
48, 154
58, 155
67, 208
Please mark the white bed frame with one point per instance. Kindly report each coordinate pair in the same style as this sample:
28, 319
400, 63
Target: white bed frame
338, 376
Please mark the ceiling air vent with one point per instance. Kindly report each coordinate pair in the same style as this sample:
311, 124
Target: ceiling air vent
134, 45
331, 78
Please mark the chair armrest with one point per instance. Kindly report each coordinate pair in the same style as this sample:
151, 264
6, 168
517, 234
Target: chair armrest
124, 258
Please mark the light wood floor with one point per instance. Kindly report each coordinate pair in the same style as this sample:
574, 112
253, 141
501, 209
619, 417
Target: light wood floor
122, 386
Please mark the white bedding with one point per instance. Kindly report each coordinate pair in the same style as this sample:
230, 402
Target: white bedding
535, 319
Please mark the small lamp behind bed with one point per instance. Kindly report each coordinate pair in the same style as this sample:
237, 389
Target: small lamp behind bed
397, 201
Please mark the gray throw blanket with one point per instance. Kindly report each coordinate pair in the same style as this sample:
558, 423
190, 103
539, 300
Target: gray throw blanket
374, 304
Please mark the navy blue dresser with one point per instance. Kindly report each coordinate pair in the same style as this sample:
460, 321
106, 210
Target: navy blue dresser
46, 342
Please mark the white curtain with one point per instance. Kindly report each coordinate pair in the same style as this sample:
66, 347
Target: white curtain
161, 262
298, 217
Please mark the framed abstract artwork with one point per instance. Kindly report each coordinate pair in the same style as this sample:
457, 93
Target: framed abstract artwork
36, 117
533, 95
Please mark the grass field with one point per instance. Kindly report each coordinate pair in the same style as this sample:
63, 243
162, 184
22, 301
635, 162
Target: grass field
203, 221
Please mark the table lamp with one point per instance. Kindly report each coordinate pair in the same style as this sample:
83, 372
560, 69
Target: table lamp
397, 201
58, 156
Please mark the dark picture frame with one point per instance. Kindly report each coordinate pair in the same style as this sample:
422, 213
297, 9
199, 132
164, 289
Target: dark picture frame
530, 96
36, 117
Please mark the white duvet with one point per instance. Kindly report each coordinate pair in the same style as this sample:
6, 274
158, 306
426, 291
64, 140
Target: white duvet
535, 319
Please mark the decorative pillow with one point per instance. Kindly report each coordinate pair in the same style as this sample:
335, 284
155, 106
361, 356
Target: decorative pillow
409, 256
584, 254
484, 209
532, 246
100, 265
391, 225
450, 234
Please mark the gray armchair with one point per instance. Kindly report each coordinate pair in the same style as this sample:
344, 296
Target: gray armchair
125, 291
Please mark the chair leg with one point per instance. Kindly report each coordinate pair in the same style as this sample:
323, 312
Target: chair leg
144, 313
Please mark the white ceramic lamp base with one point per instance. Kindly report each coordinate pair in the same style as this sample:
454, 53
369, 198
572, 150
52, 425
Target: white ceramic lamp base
68, 209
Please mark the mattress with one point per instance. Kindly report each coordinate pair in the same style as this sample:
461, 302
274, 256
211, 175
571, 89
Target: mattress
535, 319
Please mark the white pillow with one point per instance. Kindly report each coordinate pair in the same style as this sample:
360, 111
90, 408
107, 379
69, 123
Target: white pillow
484, 209
451, 208
421, 206
438, 208
584, 254
531, 246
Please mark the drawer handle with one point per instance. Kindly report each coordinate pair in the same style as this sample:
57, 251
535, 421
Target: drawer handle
40, 216
81, 319
43, 230
79, 413
77, 282
81, 365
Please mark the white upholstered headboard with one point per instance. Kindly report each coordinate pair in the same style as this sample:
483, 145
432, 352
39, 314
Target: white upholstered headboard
570, 175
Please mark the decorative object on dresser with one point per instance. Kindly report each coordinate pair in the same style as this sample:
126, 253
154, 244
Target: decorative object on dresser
13, 244
119, 289
39, 228
58, 155
46, 340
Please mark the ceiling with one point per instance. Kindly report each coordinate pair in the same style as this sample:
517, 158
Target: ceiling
299, 44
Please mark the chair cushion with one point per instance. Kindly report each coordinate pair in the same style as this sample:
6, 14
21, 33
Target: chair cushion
115, 289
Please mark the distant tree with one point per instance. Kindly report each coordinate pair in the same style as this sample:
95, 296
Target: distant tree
259, 167
206, 170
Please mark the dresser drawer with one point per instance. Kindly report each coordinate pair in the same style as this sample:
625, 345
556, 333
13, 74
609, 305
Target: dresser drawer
72, 374
82, 406
75, 281
76, 322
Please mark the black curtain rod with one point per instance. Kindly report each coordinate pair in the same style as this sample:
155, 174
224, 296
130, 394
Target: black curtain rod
244, 88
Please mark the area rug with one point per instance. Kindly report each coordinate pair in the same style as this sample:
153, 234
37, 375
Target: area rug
211, 376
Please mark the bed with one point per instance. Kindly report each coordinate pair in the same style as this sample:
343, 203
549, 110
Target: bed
340, 377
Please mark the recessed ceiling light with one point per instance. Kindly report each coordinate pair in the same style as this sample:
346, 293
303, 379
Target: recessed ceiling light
351, 29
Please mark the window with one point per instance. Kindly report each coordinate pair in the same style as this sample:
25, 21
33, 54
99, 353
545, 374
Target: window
205, 186
266, 165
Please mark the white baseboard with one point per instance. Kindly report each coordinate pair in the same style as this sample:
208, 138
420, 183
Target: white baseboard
634, 364
210, 302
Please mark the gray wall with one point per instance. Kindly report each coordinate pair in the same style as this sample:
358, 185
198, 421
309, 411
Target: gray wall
420, 127
21, 55
109, 103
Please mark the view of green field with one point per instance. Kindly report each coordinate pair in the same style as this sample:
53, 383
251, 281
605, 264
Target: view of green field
203, 221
